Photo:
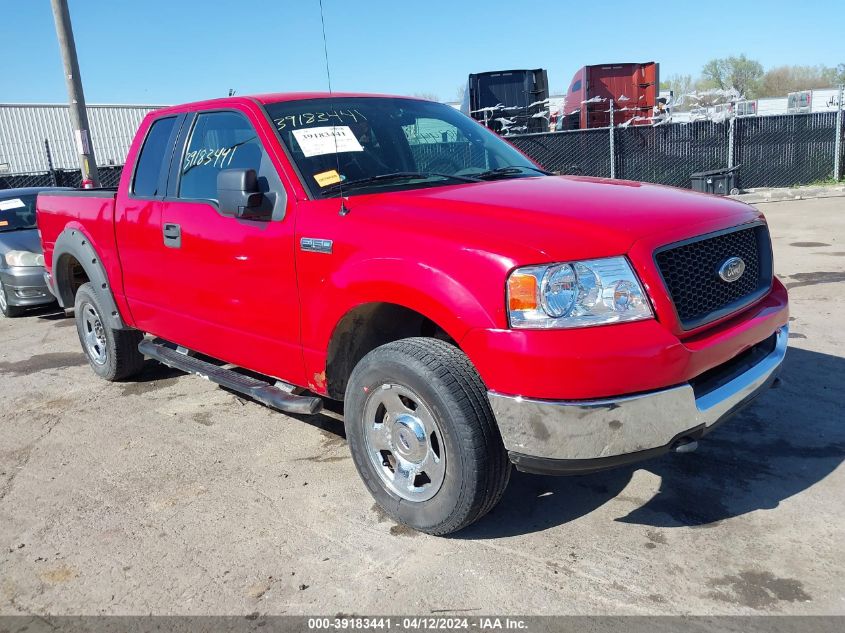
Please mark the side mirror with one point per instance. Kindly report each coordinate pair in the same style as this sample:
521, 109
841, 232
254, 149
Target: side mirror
238, 194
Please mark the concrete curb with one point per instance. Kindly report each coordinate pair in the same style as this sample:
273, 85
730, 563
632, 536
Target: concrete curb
758, 196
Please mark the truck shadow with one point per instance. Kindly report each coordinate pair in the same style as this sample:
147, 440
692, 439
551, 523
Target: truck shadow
788, 440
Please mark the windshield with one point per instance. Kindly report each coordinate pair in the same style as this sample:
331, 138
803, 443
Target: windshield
17, 214
376, 144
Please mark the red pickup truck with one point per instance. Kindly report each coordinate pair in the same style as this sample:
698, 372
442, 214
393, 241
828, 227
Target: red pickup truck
471, 310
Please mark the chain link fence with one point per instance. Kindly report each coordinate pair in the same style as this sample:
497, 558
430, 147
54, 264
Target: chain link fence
668, 154
585, 152
769, 151
781, 151
109, 177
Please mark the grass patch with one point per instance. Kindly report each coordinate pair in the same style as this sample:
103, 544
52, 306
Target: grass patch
822, 182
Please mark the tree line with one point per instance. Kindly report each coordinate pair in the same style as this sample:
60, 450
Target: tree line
749, 79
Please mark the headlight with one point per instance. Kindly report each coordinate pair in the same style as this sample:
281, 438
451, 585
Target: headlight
576, 294
24, 258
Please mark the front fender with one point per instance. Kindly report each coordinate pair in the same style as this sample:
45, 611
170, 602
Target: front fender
427, 290
412, 284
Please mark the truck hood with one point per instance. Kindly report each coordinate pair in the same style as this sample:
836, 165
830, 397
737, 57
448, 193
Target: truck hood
552, 217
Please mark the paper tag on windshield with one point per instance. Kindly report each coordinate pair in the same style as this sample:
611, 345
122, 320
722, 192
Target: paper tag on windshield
326, 178
316, 141
14, 203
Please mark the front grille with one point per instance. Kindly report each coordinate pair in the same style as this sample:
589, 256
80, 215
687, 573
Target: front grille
690, 271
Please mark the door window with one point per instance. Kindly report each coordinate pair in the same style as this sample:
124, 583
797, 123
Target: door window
220, 140
156, 146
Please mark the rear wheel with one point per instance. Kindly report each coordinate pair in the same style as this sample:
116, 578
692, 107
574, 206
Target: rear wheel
113, 354
8, 311
423, 437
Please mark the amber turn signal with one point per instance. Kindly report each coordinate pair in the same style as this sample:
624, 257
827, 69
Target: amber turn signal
522, 292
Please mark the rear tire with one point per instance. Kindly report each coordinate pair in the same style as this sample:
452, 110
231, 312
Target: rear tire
423, 436
9, 311
113, 354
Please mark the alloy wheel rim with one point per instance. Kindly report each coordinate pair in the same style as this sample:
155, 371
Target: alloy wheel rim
404, 443
3, 303
94, 335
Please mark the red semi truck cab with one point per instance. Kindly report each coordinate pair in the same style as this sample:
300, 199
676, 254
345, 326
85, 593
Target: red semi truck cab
633, 88
471, 310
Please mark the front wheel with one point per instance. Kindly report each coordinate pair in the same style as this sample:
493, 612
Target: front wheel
113, 354
423, 437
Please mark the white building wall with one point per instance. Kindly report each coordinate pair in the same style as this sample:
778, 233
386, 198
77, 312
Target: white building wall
24, 128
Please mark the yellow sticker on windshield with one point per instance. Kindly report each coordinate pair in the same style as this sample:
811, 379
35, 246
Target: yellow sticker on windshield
326, 178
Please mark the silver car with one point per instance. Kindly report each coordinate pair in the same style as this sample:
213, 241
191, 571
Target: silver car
22, 282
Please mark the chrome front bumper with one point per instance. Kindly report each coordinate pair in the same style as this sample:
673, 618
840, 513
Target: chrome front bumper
582, 436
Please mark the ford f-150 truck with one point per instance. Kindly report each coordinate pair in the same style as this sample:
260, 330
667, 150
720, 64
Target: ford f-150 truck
471, 310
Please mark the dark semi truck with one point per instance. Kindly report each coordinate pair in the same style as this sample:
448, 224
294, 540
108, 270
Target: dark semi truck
509, 101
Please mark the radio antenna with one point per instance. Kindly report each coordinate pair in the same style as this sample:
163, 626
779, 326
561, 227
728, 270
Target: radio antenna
343, 208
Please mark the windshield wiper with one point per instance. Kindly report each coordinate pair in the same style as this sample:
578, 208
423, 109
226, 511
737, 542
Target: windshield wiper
398, 175
510, 170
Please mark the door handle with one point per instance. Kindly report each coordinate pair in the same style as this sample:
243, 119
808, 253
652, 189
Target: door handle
172, 235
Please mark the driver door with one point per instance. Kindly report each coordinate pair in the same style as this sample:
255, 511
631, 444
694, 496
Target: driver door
228, 285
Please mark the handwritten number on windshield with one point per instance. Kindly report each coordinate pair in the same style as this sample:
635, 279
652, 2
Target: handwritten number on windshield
333, 117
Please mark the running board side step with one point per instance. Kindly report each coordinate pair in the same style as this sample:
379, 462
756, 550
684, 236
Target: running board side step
256, 389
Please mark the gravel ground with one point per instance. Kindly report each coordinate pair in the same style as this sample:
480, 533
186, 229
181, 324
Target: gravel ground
168, 495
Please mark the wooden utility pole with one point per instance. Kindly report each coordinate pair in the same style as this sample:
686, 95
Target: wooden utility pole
78, 113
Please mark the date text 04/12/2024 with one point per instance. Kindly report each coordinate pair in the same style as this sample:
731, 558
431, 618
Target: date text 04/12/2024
423, 623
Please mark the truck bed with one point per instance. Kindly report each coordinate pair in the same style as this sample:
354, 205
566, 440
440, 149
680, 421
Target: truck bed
90, 211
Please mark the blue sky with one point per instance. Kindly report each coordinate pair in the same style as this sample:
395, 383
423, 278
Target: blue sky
156, 51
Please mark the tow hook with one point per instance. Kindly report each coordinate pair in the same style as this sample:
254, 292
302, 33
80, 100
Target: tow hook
685, 445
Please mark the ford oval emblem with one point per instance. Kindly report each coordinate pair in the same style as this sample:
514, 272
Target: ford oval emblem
732, 269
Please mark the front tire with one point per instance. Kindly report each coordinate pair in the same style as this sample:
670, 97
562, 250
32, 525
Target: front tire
423, 436
113, 354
